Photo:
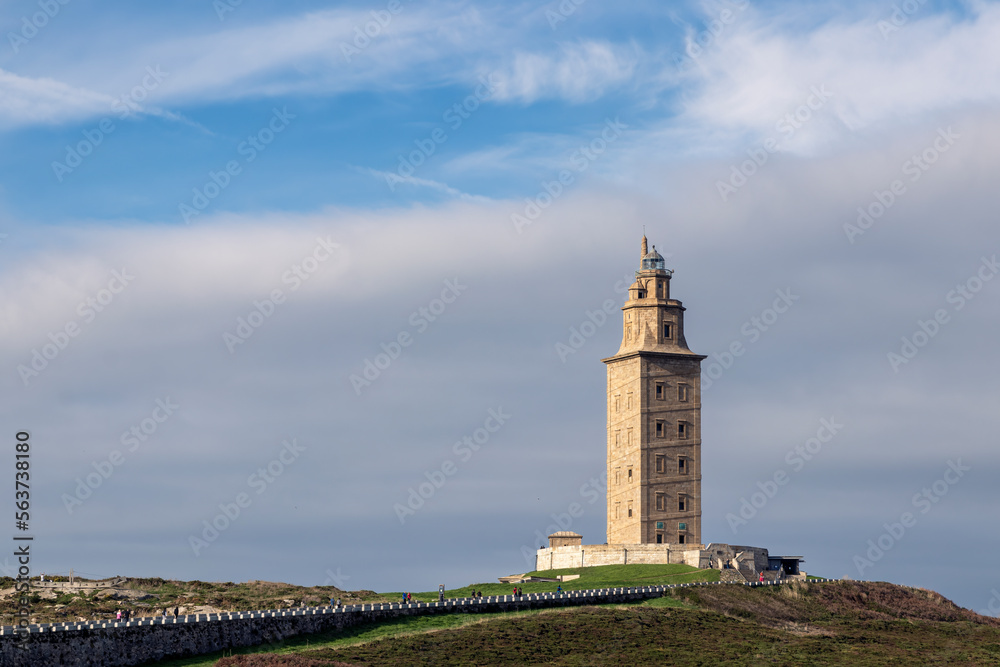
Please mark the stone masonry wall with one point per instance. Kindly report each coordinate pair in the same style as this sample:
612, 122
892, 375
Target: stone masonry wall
590, 555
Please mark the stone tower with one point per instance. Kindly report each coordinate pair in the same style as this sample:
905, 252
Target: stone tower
654, 418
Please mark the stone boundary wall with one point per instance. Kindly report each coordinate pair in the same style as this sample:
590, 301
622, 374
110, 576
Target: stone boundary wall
753, 559
78, 585
143, 640
592, 555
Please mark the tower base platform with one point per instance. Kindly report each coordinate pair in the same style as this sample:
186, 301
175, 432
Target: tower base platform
716, 555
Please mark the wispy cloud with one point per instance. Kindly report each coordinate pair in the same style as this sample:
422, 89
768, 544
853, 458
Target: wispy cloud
24, 100
393, 180
576, 72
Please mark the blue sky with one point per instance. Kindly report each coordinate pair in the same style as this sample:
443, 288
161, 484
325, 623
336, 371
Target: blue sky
251, 167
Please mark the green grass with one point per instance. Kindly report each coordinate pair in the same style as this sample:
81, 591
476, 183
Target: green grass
609, 576
661, 602
358, 635
857, 623
644, 635
604, 576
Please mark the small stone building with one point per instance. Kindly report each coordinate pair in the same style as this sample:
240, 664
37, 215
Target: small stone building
565, 538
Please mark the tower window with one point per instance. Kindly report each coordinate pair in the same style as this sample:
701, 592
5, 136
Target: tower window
630, 475
680, 504
659, 391
659, 538
661, 502
630, 510
628, 401
682, 526
618, 472
618, 402
682, 430
628, 437
618, 437
680, 539
659, 428
659, 289
683, 391
681, 467
661, 463
618, 510
642, 294
666, 330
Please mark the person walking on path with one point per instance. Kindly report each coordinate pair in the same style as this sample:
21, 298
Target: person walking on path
176, 610
559, 589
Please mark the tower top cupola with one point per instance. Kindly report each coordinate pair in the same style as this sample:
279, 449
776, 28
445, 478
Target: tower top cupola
653, 261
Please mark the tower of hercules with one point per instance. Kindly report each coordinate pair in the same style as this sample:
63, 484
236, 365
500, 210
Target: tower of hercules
654, 418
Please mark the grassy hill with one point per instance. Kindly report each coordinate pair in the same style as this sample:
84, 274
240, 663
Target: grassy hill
148, 597
842, 623
605, 576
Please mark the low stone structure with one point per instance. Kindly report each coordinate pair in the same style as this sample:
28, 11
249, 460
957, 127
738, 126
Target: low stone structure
78, 585
749, 561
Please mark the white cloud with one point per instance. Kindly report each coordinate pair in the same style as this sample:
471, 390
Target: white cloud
577, 72
24, 100
393, 180
757, 73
